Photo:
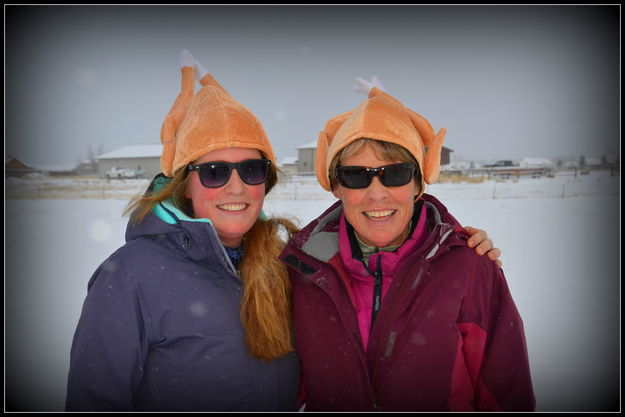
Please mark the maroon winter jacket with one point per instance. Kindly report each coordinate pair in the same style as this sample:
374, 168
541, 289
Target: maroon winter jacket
447, 336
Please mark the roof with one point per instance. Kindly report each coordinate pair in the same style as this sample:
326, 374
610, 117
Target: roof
288, 160
14, 163
134, 151
536, 162
55, 168
309, 145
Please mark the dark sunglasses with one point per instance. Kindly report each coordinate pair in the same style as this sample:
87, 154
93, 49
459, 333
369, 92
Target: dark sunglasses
217, 174
393, 175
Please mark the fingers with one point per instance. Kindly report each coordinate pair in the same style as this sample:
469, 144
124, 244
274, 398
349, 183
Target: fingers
493, 254
484, 246
477, 236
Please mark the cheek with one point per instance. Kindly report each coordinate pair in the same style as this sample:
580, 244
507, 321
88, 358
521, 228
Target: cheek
352, 204
195, 189
405, 198
198, 194
257, 192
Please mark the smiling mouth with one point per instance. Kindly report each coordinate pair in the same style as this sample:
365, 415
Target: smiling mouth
233, 207
379, 214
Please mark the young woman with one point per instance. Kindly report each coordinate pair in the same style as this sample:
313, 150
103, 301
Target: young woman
194, 311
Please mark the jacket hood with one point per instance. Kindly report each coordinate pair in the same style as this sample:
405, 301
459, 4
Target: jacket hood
198, 238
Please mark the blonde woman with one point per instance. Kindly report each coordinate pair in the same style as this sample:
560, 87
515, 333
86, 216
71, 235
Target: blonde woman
392, 311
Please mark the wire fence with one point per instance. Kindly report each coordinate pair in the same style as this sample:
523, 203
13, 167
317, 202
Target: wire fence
306, 188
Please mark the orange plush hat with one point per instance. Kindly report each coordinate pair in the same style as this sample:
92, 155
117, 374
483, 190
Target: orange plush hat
383, 118
209, 120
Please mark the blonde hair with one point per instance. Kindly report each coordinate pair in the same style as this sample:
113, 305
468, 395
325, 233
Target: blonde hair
383, 150
266, 309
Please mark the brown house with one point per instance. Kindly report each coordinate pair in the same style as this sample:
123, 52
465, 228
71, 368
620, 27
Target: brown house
13, 167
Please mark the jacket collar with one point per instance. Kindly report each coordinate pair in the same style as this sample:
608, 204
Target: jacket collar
196, 238
320, 238
352, 256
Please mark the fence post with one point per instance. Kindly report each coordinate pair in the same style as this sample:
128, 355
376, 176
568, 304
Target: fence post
494, 191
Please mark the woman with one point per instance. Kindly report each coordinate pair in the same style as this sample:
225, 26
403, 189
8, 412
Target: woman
194, 311
392, 311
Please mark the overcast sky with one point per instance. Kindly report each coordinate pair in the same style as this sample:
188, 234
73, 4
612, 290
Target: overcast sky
507, 82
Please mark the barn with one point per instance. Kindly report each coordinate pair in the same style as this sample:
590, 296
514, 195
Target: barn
136, 157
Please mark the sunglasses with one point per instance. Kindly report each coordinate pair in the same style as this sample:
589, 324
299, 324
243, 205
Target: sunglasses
393, 175
217, 174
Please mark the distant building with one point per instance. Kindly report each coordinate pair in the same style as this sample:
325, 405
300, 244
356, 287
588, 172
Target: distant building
591, 162
135, 157
13, 167
288, 165
307, 153
536, 162
87, 168
306, 158
611, 160
65, 170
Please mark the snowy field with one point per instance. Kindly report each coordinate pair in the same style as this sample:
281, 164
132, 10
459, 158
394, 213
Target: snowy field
560, 240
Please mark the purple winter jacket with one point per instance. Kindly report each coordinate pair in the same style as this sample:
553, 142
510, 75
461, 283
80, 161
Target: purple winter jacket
160, 329
447, 337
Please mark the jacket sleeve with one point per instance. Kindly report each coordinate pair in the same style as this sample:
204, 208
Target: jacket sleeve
110, 344
494, 345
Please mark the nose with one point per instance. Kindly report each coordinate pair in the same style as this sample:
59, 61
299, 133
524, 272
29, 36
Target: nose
377, 190
234, 185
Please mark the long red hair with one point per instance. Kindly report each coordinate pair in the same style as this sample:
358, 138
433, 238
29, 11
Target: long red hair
266, 309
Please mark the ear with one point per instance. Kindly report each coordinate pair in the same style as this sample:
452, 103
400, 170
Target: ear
336, 192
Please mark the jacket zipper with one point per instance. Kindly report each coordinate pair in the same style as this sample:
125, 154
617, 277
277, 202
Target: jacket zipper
383, 331
426, 254
377, 291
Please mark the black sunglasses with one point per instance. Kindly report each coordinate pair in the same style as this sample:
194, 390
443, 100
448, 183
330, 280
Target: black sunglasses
393, 175
217, 174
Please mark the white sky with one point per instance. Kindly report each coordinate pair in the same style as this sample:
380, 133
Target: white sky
507, 82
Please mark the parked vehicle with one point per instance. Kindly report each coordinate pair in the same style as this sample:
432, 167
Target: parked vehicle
508, 169
501, 164
121, 172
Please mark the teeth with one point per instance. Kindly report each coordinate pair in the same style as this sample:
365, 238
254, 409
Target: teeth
379, 213
232, 207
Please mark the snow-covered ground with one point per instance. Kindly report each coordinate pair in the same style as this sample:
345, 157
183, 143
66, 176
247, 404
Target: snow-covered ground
560, 255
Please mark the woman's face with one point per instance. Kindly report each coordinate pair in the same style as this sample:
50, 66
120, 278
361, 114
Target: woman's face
234, 207
380, 215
